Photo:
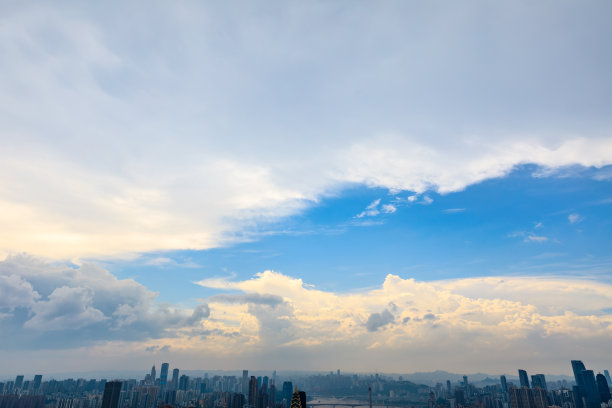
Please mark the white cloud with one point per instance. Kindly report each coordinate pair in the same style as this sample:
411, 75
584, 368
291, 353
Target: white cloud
371, 210
535, 238
275, 319
58, 306
574, 218
389, 208
115, 144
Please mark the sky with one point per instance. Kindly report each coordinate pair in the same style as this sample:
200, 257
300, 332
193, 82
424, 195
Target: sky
398, 186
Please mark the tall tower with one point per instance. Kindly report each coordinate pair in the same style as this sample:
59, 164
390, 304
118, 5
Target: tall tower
112, 390
523, 378
591, 393
18, 382
298, 399
287, 391
608, 379
163, 375
175, 378
37, 382
578, 367
153, 374
604, 390
539, 381
253, 388
245, 382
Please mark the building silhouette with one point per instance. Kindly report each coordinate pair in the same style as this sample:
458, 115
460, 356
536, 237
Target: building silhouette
591, 393
604, 389
163, 375
18, 382
524, 380
253, 391
175, 378
245, 382
539, 381
153, 374
110, 398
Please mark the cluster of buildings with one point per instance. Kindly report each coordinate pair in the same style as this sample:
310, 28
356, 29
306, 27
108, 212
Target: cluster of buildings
589, 391
172, 390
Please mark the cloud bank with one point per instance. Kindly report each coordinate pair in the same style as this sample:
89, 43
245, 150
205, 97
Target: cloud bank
277, 321
119, 139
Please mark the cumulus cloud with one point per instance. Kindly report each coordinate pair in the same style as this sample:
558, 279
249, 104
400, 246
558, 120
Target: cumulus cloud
134, 145
45, 305
274, 318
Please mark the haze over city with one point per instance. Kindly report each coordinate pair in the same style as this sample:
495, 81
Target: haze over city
387, 187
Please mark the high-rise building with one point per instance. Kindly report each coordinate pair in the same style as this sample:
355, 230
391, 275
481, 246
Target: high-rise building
577, 395
163, 375
604, 389
237, 401
183, 383
245, 382
287, 392
591, 393
539, 381
298, 399
521, 398
448, 387
37, 383
18, 382
110, 398
578, 367
175, 378
523, 378
465, 381
153, 374
540, 399
504, 383
272, 395
253, 391
608, 379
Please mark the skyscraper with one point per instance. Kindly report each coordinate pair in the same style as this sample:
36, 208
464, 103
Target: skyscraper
578, 367
163, 375
287, 392
521, 398
591, 393
253, 388
36, 384
539, 381
153, 374
112, 390
272, 395
607, 374
604, 390
175, 378
18, 382
245, 382
523, 378
183, 382
298, 399
504, 383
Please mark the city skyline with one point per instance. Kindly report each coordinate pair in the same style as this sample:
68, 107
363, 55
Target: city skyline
399, 187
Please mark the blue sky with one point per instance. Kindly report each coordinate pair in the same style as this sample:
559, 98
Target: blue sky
238, 184
520, 224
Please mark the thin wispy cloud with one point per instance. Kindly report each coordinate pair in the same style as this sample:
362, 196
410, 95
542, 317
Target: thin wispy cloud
574, 218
